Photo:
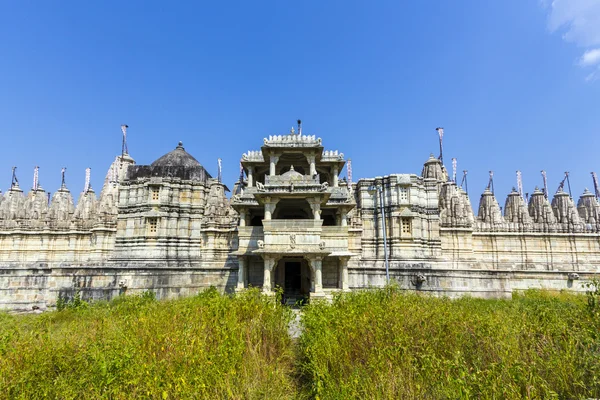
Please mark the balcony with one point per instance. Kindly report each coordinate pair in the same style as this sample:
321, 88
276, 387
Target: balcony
293, 236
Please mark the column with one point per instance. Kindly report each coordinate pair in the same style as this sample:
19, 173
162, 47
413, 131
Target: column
315, 206
335, 176
242, 217
269, 263
317, 263
250, 176
311, 160
343, 272
344, 217
270, 207
273, 164
241, 283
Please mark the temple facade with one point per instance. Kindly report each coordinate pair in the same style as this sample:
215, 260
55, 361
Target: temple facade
291, 223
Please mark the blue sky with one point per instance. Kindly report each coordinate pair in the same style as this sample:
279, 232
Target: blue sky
515, 84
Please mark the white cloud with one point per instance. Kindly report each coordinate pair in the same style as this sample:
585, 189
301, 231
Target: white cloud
590, 57
579, 20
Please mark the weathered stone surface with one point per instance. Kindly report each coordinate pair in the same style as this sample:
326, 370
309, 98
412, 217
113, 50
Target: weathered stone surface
169, 227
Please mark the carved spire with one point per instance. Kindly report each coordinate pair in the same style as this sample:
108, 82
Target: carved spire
541, 212
589, 210
515, 211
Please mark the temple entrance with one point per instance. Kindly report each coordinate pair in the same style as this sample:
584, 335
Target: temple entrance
293, 276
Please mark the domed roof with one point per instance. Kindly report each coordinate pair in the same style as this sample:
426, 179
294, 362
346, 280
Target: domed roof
177, 158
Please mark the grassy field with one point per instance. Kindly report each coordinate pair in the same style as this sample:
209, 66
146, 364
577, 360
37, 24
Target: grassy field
371, 344
208, 346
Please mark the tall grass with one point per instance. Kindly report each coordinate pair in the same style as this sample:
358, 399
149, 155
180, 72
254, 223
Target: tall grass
387, 344
384, 344
208, 346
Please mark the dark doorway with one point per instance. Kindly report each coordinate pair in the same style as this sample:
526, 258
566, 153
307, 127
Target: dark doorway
295, 281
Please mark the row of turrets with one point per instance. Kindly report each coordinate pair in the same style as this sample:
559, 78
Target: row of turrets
536, 215
37, 210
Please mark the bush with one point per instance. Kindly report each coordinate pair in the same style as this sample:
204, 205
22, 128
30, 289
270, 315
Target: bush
208, 346
389, 344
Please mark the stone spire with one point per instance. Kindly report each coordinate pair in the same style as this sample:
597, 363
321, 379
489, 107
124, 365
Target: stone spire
541, 213
434, 169
12, 207
110, 190
87, 203
566, 213
589, 210
515, 211
489, 211
36, 204
61, 207
455, 207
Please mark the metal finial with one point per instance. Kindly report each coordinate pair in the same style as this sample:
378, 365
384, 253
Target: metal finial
596, 186
36, 178
62, 175
219, 176
491, 182
349, 170
124, 145
545, 179
464, 181
440, 132
520, 184
86, 186
14, 181
299, 127
454, 164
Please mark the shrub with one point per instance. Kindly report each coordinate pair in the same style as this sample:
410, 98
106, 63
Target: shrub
208, 346
390, 344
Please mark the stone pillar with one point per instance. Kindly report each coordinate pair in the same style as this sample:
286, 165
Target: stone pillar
242, 217
250, 176
317, 263
343, 272
269, 264
344, 218
315, 206
270, 207
335, 176
273, 164
241, 283
311, 158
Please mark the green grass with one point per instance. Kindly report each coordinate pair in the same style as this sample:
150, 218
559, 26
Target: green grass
385, 344
208, 346
388, 344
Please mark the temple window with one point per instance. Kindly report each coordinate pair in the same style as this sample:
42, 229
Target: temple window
406, 226
403, 194
154, 192
152, 225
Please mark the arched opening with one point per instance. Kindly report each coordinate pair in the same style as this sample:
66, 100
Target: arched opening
294, 277
256, 217
292, 209
328, 216
298, 160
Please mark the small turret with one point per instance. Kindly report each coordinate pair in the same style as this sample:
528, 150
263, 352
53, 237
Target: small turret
86, 205
540, 212
110, 190
12, 207
36, 205
566, 213
489, 210
61, 207
589, 210
515, 210
455, 207
434, 169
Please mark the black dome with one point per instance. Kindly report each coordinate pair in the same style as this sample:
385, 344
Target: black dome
177, 158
